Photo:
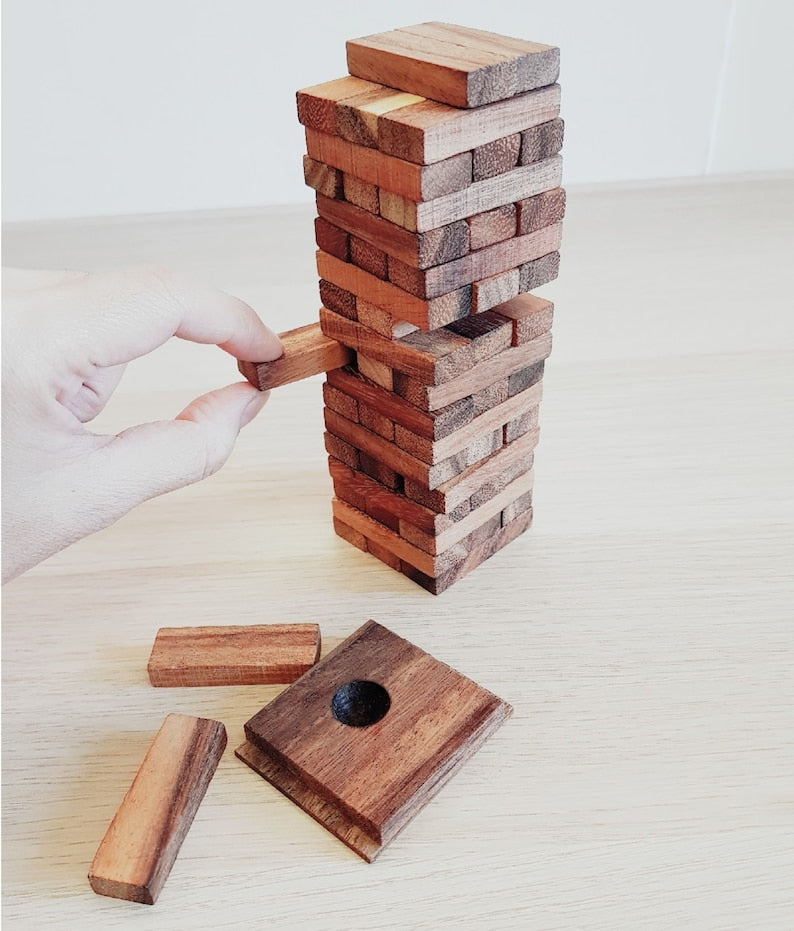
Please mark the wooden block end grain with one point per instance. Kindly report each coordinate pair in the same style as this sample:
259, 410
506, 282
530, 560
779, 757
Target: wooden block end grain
140, 846
306, 352
260, 654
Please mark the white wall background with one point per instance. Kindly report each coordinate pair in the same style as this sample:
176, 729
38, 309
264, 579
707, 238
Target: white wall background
115, 106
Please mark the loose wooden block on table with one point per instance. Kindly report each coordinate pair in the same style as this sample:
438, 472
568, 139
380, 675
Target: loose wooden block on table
365, 781
137, 852
428, 132
258, 654
306, 352
461, 67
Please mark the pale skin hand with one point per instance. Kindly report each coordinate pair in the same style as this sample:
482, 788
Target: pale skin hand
67, 337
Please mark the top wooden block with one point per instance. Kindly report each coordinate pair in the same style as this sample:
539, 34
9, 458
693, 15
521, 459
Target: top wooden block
453, 64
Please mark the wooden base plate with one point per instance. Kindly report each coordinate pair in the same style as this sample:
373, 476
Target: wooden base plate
369, 735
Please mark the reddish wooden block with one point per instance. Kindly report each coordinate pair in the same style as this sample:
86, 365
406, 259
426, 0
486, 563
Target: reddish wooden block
415, 182
361, 193
338, 300
429, 132
531, 316
357, 116
142, 843
257, 654
492, 226
369, 257
453, 64
332, 239
317, 104
306, 352
358, 710
541, 210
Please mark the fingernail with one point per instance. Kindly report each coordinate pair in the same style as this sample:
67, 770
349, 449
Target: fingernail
253, 407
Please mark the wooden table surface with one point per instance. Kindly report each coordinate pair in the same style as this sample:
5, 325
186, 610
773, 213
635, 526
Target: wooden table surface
642, 629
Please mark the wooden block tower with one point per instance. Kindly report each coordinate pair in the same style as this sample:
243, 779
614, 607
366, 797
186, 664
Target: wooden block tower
437, 170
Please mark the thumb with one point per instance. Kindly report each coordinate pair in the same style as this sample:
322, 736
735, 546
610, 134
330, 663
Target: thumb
154, 458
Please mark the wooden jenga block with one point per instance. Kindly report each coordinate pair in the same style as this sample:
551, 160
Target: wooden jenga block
352, 536
332, 239
493, 226
369, 257
412, 181
361, 193
326, 181
432, 397
518, 184
237, 655
340, 402
432, 425
500, 257
403, 463
480, 481
137, 852
378, 372
521, 425
317, 105
425, 314
337, 299
306, 352
541, 141
497, 157
437, 543
357, 116
487, 333
530, 316
494, 291
489, 397
464, 68
344, 452
538, 272
431, 357
418, 249
374, 420
433, 451
335, 741
541, 210
429, 132
516, 508
380, 471
381, 321
482, 550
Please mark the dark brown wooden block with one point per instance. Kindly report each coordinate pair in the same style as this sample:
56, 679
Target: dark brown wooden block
258, 654
540, 271
306, 352
337, 299
494, 158
137, 852
453, 64
369, 257
366, 738
541, 210
541, 141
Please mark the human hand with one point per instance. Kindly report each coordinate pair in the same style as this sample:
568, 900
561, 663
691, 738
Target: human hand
67, 337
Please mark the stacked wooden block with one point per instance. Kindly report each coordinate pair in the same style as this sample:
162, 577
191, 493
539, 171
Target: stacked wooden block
437, 170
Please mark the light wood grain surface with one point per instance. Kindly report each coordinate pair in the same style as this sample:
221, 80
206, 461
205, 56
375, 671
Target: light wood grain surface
642, 629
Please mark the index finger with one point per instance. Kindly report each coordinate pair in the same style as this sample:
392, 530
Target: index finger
125, 314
